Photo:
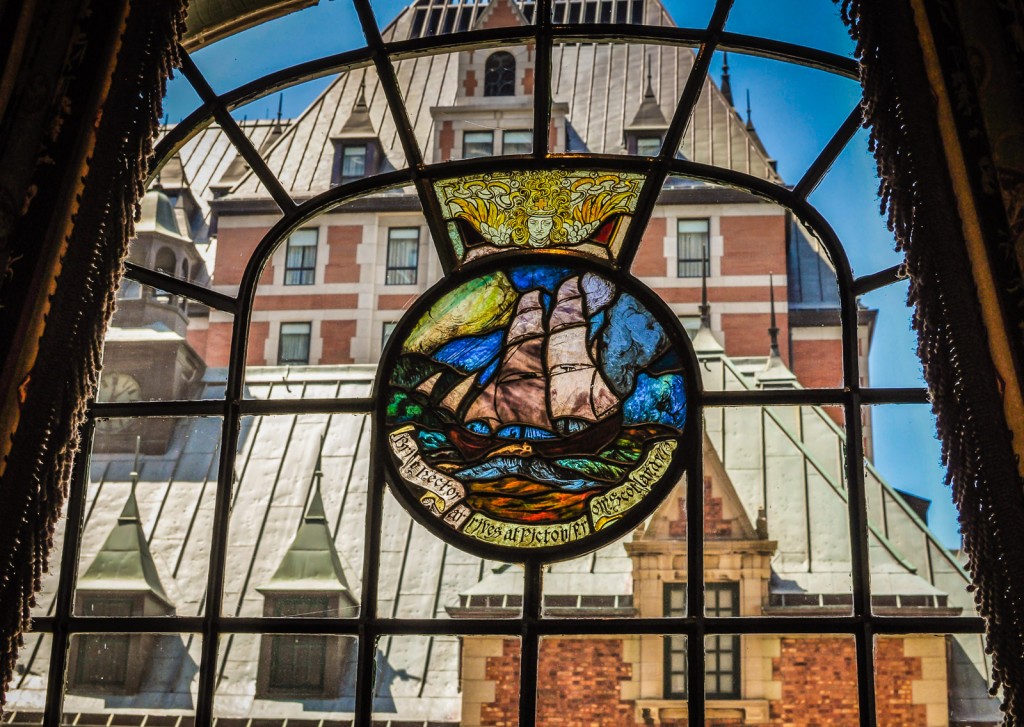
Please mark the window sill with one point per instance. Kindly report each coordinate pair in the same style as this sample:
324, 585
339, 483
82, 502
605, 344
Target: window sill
656, 711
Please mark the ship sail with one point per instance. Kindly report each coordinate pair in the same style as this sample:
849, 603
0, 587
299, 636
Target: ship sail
454, 397
577, 388
517, 395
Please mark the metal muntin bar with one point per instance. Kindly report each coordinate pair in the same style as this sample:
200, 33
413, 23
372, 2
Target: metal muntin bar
529, 644
542, 91
511, 626
118, 410
238, 138
368, 618
211, 298
673, 137
406, 134
65, 595
824, 161
882, 278
814, 397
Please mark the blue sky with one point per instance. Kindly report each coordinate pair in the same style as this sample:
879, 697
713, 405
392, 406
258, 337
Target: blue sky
796, 110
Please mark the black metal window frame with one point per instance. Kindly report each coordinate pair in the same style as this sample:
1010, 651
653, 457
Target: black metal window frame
399, 269
693, 260
862, 624
300, 259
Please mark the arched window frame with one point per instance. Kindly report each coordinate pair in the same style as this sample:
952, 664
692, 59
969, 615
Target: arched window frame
851, 395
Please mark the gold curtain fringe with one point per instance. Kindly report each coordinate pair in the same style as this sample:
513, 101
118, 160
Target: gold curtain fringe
918, 199
101, 217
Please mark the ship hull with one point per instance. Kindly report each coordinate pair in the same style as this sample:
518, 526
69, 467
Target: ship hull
591, 440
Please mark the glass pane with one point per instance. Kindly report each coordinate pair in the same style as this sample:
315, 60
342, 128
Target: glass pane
157, 348
820, 25
490, 668
425, 18
610, 582
365, 245
26, 695
324, 29
796, 679
296, 676
119, 678
924, 679
891, 359
148, 516
432, 679
517, 142
776, 513
300, 494
596, 680
477, 144
421, 576
586, 212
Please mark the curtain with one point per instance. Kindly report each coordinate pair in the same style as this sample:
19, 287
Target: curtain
80, 93
921, 106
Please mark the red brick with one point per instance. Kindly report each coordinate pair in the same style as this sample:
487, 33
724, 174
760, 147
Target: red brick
528, 81
197, 339
894, 673
819, 683
818, 364
342, 243
650, 258
337, 341
754, 245
469, 84
716, 527
259, 331
446, 142
218, 345
578, 683
395, 302
746, 334
234, 248
302, 304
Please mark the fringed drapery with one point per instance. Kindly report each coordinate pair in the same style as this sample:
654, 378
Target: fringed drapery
917, 194
102, 65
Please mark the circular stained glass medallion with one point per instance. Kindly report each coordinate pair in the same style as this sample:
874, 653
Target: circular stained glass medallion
537, 410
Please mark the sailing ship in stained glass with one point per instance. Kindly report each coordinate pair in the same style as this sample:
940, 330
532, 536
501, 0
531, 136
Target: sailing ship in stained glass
533, 408
583, 211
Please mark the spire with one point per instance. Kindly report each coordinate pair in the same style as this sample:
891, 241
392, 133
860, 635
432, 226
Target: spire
125, 563
773, 329
775, 374
311, 563
359, 123
726, 82
280, 107
649, 115
704, 341
750, 122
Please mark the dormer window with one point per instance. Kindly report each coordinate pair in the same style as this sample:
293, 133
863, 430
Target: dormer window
500, 74
648, 146
353, 162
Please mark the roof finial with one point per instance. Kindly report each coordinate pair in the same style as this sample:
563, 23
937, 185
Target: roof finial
705, 307
315, 510
280, 107
649, 93
361, 94
750, 123
773, 329
726, 81
135, 465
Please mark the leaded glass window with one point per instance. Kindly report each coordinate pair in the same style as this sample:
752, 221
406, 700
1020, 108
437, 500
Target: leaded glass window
538, 361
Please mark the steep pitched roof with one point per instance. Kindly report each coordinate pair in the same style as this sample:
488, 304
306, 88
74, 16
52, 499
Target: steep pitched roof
587, 76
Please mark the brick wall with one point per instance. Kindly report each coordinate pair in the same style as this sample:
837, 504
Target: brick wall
894, 674
819, 682
818, 363
342, 241
754, 245
578, 685
234, 248
746, 334
337, 341
716, 526
650, 258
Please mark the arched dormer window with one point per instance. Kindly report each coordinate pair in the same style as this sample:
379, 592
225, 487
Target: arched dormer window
500, 75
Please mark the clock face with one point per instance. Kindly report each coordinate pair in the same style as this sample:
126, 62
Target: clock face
118, 388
